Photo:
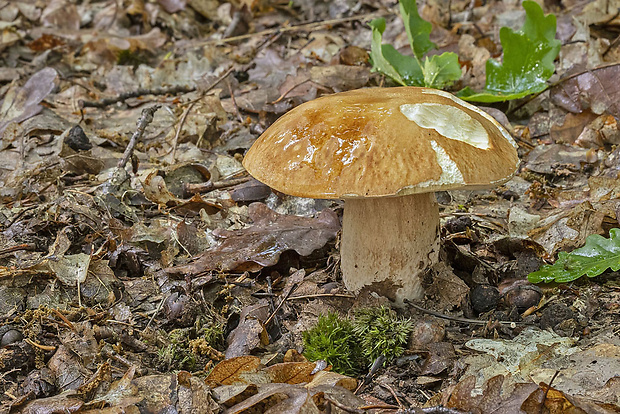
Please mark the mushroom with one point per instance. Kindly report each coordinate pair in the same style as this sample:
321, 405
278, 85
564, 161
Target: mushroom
385, 151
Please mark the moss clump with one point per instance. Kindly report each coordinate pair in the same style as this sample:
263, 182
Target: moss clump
191, 348
381, 332
333, 341
351, 346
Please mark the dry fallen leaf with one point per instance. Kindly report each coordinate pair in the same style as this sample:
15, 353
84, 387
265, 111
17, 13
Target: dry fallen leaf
22, 103
262, 243
597, 89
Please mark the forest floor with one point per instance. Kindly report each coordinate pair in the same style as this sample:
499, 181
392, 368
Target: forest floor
143, 270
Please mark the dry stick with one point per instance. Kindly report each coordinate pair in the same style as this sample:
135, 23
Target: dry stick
461, 320
190, 188
322, 295
175, 90
542, 403
24, 246
64, 319
372, 372
145, 119
43, 347
191, 105
299, 27
273, 314
400, 405
234, 102
175, 142
161, 303
344, 407
289, 90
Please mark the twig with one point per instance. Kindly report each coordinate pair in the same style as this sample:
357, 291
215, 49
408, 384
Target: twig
441, 410
174, 90
234, 102
556, 83
17, 248
64, 319
300, 27
344, 407
145, 119
461, 320
18, 215
400, 405
374, 368
161, 303
179, 129
190, 188
322, 295
191, 105
379, 407
273, 314
289, 90
544, 398
43, 347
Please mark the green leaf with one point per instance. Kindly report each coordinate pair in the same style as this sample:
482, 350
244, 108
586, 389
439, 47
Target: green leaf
469, 94
598, 255
528, 59
386, 59
442, 69
434, 72
418, 29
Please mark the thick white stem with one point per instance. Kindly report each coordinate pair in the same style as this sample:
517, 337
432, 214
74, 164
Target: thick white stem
387, 244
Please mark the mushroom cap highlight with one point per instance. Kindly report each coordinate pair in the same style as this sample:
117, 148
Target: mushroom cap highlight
382, 142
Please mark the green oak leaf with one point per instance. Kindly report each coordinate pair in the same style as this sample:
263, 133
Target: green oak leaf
440, 70
435, 71
528, 59
387, 60
418, 29
596, 256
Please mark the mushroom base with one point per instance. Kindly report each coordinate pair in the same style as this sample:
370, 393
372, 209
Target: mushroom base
388, 243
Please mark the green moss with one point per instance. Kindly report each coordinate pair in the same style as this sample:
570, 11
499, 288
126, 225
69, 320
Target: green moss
179, 350
333, 341
351, 346
381, 332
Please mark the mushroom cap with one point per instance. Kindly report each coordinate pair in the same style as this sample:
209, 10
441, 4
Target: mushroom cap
382, 142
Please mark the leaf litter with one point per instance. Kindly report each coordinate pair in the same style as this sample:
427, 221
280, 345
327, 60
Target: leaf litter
138, 279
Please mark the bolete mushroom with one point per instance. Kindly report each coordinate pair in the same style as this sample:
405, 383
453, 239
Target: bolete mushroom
385, 151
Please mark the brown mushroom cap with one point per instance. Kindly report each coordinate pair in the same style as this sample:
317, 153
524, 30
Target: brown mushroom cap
382, 142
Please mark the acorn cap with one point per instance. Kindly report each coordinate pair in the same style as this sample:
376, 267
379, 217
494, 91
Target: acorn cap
382, 142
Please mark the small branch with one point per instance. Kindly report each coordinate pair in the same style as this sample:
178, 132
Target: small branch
17, 248
461, 320
547, 388
175, 143
322, 295
300, 27
273, 314
175, 90
36, 345
189, 188
344, 407
145, 119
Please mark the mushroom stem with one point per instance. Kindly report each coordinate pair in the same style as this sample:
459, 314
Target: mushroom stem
388, 243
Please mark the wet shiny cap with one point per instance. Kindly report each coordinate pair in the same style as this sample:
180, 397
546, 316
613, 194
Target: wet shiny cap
382, 142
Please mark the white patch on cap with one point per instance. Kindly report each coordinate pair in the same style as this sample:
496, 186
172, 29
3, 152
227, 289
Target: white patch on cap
450, 173
475, 109
450, 121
